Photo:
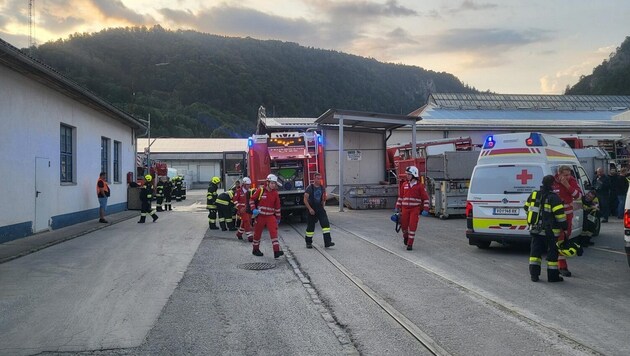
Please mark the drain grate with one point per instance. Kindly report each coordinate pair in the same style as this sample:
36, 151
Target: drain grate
258, 266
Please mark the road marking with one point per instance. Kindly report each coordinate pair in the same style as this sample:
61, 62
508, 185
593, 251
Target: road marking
604, 249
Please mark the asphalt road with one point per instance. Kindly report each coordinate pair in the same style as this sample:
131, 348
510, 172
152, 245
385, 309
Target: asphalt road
175, 288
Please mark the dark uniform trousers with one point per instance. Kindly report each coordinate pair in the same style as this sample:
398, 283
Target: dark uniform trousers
320, 214
541, 244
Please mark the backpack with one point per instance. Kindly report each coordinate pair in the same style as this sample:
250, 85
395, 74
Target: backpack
534, 218
248, 208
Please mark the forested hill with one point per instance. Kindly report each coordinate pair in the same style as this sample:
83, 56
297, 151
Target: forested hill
612, 77
201, 85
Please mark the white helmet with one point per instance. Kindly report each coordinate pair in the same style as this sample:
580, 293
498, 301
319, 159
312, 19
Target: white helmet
413, 171
247, 180
272, 178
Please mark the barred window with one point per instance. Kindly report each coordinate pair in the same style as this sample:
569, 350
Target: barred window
66, 166
105, 155
117, 146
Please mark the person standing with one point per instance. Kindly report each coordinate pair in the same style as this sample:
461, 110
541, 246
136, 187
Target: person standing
241, 202
102, 192
179, 183
590, 205
412, 200
315, 200
159, 194
265, 205
612, 201
211, 198
224, 207
568, 189
546, 219
602, 188
621, 188
168, 191
146, 196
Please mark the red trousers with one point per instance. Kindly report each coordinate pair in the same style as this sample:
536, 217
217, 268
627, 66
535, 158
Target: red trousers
272, 225
246, 225
409, 223
565, 235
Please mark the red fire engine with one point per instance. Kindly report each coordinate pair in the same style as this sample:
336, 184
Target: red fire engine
400, 157
293, 157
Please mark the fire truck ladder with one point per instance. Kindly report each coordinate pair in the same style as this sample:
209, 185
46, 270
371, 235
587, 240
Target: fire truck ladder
313, 164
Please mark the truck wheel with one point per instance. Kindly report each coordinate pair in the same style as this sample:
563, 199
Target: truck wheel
483, 244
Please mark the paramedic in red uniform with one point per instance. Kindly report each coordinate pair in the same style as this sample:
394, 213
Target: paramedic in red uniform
241, 201
266, 209
412, 198
566, 186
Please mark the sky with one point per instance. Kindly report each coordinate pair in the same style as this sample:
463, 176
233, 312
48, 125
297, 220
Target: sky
507, 46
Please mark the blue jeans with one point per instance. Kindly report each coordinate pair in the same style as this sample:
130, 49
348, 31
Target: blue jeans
621, 205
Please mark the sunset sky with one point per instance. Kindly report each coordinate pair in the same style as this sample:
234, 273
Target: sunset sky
508, 46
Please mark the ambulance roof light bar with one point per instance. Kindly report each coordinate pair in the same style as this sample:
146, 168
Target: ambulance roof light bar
535, 139
489, 142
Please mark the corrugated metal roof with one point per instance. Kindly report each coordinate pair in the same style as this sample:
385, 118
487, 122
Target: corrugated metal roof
289, 122
533, 102
194, 145
434, 113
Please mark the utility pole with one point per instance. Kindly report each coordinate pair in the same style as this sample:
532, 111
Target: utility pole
31, 41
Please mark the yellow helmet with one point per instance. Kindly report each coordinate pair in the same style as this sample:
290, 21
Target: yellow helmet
569, 248
148, 178
216, 180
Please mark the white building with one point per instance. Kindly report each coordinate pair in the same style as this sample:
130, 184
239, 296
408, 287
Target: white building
56, 139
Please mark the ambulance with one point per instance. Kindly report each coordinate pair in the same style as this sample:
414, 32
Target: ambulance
509, 168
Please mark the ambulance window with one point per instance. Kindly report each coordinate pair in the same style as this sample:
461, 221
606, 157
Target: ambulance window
586, 182
506, 179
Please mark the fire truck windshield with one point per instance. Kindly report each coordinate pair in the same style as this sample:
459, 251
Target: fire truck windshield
286, 142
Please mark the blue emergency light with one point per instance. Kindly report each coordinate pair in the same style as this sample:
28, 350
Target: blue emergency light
489, 143
535, 139
250, 142
320, 139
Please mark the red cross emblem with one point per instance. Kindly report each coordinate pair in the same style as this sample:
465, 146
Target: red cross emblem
524, 176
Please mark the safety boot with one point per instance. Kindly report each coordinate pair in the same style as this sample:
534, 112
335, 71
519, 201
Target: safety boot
159, 208
257, 253
565, 272
277, 254
155, 217
239, 236
142, 219
409, 247
328, 241
309, 242
553, 275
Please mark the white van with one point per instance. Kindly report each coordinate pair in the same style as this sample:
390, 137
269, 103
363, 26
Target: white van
509, 168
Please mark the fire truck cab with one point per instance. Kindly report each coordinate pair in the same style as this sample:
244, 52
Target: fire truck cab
293, 157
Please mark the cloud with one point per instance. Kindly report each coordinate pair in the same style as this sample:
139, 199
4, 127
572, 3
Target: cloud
469, 5
115, 9
485, 40
351, 10
19, 41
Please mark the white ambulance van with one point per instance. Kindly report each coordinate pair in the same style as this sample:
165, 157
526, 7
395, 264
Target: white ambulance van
509, 168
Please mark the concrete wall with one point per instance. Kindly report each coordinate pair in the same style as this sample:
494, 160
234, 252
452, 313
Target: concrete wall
30, 119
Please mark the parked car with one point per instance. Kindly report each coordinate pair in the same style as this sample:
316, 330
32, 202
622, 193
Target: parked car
626, 225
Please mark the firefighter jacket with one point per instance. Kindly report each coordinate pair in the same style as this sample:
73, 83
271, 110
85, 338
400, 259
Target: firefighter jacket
146, 193
412, 194
545, 211
266, 201
568, 195
225, 198
590, 205
240, 200
168, 188
211, 196
159, 190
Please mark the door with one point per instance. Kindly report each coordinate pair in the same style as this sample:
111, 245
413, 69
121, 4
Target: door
43, 194
233, 167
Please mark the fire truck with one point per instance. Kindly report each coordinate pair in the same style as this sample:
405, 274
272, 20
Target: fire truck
293, 157
399, 157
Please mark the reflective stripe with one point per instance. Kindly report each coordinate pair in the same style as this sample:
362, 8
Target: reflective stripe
535, 261
325, 229
310, 233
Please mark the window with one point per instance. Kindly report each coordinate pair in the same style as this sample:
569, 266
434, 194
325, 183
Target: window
117, 146
105, 155
66, 165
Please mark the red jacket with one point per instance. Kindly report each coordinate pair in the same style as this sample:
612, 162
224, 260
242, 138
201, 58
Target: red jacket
567, 195
269, 203
412, 194
240, 200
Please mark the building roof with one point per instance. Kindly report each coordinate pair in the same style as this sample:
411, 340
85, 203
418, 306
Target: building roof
13, 58
300, 123
193, 145
365, 120
527, 112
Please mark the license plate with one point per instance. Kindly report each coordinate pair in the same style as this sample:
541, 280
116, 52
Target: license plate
506, 211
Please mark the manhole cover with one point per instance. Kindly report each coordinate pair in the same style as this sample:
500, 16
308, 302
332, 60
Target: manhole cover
257, 266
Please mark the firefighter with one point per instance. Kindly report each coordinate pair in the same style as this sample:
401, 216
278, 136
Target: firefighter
265, 205
590, 205
178, 188
168, 190
224, 207
159, 193
567, 188
546, 220
146, 195
315, 200
211, 197
412, 198
241, 202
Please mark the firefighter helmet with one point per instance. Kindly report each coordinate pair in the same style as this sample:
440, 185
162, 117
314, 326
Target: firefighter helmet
569, 248
246, 180
148, 178
216, 180
412, 170
272, 178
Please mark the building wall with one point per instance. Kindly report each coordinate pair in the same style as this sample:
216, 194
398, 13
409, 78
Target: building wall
364, 158
30, 119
